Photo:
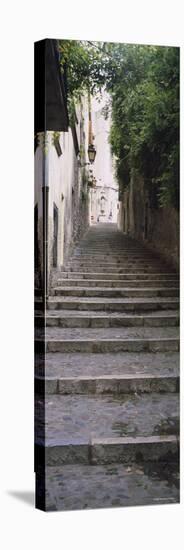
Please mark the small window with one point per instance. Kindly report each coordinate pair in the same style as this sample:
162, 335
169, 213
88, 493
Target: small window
58, 147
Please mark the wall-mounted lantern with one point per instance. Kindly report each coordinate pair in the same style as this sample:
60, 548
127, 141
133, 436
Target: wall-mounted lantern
91, 153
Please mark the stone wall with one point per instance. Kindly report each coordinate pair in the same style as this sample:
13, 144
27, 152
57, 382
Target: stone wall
157, 228
164, 234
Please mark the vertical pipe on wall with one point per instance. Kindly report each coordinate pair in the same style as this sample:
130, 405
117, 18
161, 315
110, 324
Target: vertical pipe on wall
90, 140
45, 199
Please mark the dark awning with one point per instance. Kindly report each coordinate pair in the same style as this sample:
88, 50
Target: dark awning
50, 89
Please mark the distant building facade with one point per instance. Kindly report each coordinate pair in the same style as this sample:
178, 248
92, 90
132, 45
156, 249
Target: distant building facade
104, 195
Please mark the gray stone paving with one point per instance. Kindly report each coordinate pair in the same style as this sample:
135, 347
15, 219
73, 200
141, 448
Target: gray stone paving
78, 364
55, 333
78, 419
83, 487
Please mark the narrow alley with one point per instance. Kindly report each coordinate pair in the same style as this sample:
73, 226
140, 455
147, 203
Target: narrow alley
106, 232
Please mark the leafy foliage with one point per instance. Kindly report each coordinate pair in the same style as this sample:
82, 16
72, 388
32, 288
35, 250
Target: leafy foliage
143, 83
145, 115
84, 66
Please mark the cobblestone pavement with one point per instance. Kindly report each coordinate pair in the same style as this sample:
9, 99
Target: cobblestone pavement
75, 418
85, 487
111, 416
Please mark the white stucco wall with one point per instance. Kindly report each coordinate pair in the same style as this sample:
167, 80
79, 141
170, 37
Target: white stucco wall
63, 177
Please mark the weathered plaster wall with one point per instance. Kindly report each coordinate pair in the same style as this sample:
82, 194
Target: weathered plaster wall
67, 192
38, 203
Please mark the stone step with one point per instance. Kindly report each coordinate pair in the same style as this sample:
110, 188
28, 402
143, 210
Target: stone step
114, 283
115, 270
89, 248
112, 257
104, 258
108, 486
109, 384
111, 333
124, 450
74, 319
115, 292
105, 346
121, 264
116, 304
105, 340
108, 429
89, 254
72, 275
72, 365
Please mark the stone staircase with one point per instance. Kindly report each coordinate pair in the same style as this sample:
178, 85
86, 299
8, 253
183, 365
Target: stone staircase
111, 377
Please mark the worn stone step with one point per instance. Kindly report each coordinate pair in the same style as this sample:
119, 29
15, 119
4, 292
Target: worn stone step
107, 429
115, 247
112, 265
112, 257
83, 364
114, 283
126, 277
111, 333
114, 276
89, 249
124, 450
105, 250
112, 304
109, 384
109, 486
115, 270
74, 319
104, 259
111, 339
105, 346
115, 292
